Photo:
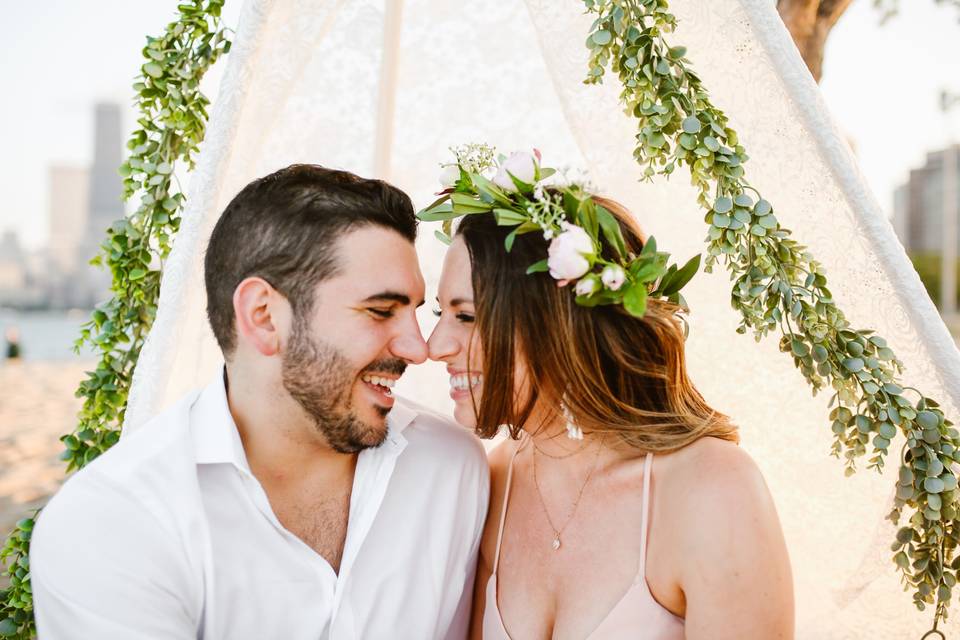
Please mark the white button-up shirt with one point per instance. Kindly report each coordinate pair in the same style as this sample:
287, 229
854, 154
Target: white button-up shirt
169, 535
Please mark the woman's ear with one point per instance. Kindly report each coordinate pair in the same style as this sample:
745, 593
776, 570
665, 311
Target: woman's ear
256, 308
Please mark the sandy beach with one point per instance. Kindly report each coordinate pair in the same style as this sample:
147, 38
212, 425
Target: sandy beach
38, 406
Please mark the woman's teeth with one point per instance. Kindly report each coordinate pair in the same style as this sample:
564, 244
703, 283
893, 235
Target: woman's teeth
464, 381
385, 383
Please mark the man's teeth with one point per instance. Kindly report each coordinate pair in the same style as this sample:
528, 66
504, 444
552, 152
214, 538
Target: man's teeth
383, 382
464, 381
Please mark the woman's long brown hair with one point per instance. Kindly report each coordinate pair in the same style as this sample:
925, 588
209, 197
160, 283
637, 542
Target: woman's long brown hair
616, 374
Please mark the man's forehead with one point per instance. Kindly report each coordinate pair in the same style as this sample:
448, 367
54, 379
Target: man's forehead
378, 265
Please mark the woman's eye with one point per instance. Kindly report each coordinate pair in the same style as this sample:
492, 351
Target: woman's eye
381, 313
465, 317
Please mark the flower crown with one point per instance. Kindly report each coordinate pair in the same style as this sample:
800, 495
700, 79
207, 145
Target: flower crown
520, 193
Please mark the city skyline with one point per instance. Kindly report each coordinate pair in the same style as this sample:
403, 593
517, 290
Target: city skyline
56, 130
84, 202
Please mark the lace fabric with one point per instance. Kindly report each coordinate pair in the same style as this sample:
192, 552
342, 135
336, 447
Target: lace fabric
301, 86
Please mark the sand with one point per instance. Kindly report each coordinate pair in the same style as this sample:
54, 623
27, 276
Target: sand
37, 407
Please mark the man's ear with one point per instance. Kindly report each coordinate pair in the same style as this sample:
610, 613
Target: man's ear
259, 310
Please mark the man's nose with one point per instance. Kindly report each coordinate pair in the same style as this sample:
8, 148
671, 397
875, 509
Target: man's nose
410, 345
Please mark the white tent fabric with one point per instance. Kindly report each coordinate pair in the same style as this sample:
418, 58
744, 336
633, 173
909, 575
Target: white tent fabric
312, 81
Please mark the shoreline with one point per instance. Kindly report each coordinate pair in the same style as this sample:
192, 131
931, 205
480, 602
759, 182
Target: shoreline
38, 408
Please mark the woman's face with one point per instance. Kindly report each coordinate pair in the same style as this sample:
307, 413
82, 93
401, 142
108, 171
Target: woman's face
454, 340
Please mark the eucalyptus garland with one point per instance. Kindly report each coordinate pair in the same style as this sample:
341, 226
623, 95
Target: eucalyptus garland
173, 116
778, 285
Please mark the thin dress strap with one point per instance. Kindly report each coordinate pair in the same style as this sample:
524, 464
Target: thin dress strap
645, 522
503, 511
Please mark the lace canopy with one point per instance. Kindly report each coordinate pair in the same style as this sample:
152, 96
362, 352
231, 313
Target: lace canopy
383, 88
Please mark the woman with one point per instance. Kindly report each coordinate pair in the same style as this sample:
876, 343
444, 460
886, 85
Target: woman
655, 524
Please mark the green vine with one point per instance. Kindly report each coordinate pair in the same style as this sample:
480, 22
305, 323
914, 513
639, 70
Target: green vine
173, 116
779, 285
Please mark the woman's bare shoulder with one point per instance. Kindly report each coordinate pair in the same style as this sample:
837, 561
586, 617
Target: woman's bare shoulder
716, 493
499, 456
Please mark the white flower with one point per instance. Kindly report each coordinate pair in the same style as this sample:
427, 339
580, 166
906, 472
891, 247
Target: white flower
449, 175
519, 163
588, 285
613, 276
538, 194
566, 253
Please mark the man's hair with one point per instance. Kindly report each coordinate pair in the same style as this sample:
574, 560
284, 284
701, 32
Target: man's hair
284, 228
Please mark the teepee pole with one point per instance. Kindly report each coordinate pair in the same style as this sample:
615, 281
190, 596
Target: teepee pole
386, 101
948, 265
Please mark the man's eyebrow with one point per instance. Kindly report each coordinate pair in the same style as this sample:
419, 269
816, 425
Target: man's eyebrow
391, 296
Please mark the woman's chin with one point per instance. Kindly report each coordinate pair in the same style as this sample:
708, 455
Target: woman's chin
464, 415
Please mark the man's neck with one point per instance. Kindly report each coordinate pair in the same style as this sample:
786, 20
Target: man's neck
308, 484
280, 442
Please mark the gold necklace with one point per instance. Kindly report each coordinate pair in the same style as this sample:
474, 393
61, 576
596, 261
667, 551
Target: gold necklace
536, 483
563, 456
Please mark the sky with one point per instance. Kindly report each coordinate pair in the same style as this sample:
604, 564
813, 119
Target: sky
59, 57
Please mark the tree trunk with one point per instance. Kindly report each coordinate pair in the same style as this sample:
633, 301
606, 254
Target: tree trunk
809, 23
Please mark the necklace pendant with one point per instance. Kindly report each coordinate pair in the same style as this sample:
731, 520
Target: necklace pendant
556, 543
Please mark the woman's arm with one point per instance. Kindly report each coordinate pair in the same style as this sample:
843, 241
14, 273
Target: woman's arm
734, 569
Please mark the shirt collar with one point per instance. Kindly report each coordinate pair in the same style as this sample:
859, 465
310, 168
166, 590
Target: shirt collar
217, 440
215, 435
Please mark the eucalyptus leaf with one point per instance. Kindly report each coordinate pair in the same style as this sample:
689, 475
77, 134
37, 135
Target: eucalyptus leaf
691, 124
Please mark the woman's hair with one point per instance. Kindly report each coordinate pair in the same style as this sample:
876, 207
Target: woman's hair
615, 374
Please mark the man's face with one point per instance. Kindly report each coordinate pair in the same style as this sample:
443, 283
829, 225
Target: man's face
343, 355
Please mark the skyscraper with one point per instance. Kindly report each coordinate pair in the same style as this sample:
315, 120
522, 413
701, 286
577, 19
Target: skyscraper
105, 204
918, 205
106, 186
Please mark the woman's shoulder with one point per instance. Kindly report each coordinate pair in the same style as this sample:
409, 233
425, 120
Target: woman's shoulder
724, 549
714, 489
499, 457
711, 465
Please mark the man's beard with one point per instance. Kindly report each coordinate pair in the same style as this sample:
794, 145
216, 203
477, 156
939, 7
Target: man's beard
318, 376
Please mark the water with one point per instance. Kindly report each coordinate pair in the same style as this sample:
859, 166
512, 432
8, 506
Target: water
45, 335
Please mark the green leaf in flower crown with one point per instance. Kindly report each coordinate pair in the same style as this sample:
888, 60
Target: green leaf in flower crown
611, 231
440, 212
466, 203
682, 276
635, 300
445, 197
526, 227
571, 205
587, 217
538, 267
442, 237
648, 271
509, 217
489, 189
649, 247
509, 240
522, 187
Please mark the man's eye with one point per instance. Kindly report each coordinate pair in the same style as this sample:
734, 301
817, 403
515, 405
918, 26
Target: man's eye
381, 313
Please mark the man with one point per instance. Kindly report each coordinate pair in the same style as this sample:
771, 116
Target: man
295, 496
